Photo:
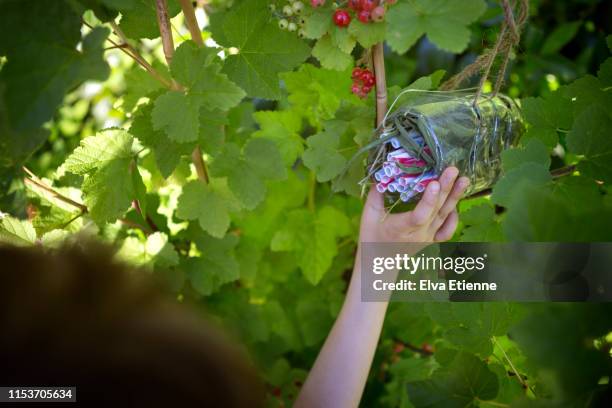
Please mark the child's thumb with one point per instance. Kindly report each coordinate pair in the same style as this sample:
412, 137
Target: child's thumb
374, 206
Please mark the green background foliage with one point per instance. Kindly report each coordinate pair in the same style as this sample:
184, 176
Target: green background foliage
265, 244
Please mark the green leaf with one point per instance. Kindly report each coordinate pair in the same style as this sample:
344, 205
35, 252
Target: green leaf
156, 250
464, 381
534, 174
107, 162
138, 84
178, 115
547, 114
342, 38
322, 154
368, 34
317, 92
590, 137
481, 225
283, 127
16, 232
139, 19
560, 36
330, 56
318, 23
444, 21
199, 201
264, 50
312, 237
246, 171
42, 65
605, 73
533, 152
539, 214
587, 91
215, 267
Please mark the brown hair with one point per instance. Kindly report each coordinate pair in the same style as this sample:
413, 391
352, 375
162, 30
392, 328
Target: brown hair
75, 317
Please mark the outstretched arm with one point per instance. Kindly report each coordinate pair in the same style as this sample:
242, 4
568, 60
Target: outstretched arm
339, 374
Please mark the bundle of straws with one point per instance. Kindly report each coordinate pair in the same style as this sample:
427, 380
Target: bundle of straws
405, 171
434, 130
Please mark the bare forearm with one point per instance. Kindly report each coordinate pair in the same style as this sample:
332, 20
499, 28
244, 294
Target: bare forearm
339, 374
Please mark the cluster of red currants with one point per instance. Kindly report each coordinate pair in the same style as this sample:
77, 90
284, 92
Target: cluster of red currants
363, 82
365, 10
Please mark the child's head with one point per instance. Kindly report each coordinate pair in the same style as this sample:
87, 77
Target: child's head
75, 317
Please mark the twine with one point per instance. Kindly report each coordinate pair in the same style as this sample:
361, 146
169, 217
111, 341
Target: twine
509, 37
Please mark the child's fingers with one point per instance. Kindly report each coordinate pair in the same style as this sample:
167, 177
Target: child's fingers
454, 197
426, 208
447, 181
448, 228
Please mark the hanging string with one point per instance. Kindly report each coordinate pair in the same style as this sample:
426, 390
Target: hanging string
509, 37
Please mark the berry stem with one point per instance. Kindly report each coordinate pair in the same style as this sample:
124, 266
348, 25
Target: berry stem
378, 59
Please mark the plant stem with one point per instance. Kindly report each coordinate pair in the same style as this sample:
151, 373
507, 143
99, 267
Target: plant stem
312, 191
133, 53
378, 59
191, 22
163, 21
196, 36
149, 220
200, 165
36, 182
494, 403
523, 383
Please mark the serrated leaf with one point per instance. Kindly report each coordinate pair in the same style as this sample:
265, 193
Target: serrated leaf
342, 38
322, 155
330, 56
533, 152
215, 267
481, 225
110, 185
444, 21
318, 23
177, 114
199, 202
283, 128
312, 237
246, 171
264, 50
464, 381
368, 34
547, 114
531, 173
590, 136
585, 92
317, 92
16, 232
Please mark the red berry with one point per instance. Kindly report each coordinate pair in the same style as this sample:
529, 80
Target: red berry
317, 3
364, 16
354, 5
356, 89
370, 81
356, 73
378, 14
366, 88
427, 348
366, 76
368, 5
342, 18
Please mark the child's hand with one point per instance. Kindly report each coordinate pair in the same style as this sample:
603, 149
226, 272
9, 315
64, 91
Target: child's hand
433, 219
